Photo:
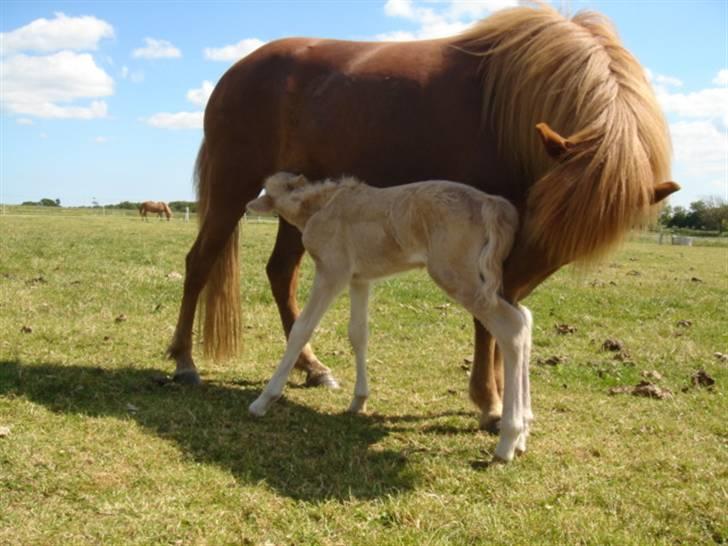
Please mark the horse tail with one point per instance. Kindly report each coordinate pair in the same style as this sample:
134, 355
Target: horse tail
220, 302
501, 223
575, 75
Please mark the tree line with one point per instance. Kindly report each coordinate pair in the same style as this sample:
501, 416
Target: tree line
709, 214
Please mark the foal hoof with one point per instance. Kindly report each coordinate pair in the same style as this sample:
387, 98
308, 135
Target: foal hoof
322, 380
188, 377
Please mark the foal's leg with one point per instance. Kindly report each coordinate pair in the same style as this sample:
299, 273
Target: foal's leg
525, 381
282, 270
322, 294
358, 335
509, 326
524, 270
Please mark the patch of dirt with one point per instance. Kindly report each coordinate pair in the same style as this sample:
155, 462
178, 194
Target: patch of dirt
551, 361
634, 273
651, 374
684, 323
722, 357
564, 329
121, 318
613, 345
4, 432
695, 279
702, 379
26, 329
643, 388
36, 280
174, 276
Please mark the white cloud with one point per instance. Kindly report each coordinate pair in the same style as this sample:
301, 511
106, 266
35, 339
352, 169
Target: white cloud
136, 76
451, 18
700, 146
48, 86
157, 49
709, 103
699, 130
200, 96
668, 81
721, 78
74, 33
178, 120
101, 140
184, 120
24, 121
233, 52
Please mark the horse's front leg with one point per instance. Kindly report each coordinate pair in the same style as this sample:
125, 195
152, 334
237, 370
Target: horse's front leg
323, 293
358, 335
282, 270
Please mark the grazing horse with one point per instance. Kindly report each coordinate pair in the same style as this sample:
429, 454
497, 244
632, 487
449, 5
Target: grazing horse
356, 234
460, 108
155, 207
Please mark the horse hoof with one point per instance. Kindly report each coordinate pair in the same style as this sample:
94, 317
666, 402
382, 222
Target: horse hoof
323, 380
491, 425
188, 377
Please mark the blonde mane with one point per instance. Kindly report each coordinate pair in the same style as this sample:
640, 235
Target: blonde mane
575, 75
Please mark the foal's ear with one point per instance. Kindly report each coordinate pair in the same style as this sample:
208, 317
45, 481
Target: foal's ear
262, 204
556, 145
663, 189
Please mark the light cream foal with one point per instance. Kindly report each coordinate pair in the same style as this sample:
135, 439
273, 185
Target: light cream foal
357, 233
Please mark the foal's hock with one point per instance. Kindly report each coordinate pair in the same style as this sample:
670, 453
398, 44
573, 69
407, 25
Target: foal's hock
356, 233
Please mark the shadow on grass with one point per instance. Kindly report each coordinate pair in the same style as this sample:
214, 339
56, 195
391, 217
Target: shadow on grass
297, 451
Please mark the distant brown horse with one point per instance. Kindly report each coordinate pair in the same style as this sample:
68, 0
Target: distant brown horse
462, 108
157, 207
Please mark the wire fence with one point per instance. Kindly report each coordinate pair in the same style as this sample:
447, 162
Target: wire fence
71, 212
661, 237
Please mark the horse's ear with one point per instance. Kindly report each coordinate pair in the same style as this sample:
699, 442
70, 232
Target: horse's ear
556, 145
663, 189
262, 204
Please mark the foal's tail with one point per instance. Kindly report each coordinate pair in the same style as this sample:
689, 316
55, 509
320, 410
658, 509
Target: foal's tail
501, 223
220, 303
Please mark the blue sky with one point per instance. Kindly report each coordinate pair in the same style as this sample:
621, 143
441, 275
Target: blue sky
104, 100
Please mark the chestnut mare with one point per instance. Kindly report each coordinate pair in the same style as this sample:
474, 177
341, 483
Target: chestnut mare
461, 108
155, 207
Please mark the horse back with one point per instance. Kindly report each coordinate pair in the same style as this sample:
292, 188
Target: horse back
388, 113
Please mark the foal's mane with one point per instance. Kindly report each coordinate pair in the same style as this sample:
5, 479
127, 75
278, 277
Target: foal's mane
575, 75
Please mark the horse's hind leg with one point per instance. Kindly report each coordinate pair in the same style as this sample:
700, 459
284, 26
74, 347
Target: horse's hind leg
212, 237
282, 270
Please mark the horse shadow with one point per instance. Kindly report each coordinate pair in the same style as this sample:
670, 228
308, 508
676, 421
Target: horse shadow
295, 450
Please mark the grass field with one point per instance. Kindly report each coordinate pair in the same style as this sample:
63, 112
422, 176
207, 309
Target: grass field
95, 448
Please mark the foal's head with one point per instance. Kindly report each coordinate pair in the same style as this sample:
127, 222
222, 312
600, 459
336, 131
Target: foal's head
294, 197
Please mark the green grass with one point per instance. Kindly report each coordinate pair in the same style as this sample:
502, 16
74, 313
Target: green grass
100, 452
